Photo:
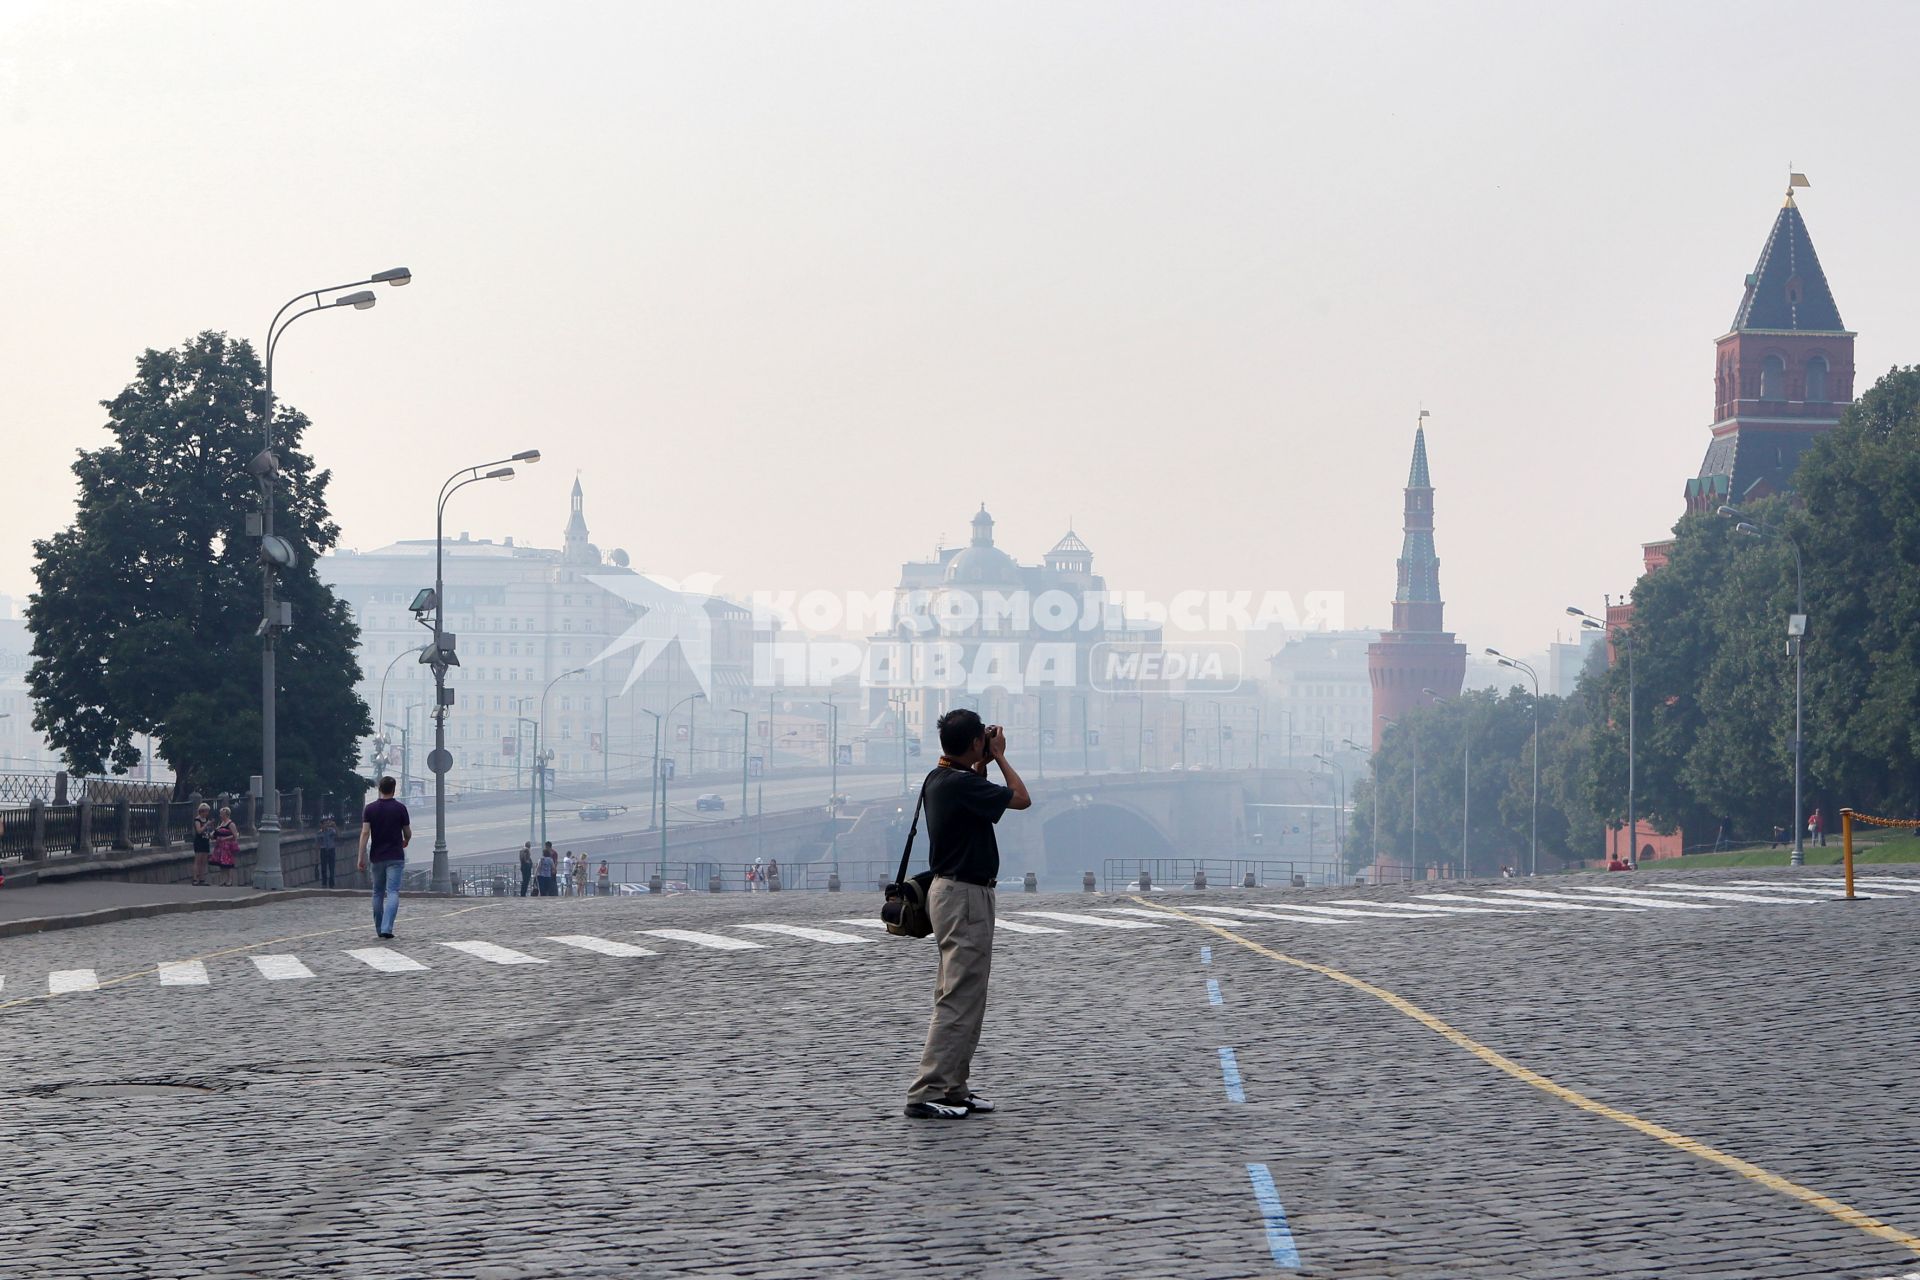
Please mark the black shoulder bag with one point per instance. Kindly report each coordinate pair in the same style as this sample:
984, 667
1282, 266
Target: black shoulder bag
905, 911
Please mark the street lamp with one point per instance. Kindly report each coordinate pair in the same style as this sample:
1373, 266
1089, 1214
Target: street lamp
1466, 779
1413, 856
1533, 847
443, 651
539, 760
416, 649
692, 697
1339, 848
277, 552
1367, 755
1625, 636
1796, 632
746, 745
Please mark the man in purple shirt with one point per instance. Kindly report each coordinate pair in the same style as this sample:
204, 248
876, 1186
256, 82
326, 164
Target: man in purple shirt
386, 828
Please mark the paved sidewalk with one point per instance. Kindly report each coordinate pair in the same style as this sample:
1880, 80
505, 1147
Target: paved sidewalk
40, 907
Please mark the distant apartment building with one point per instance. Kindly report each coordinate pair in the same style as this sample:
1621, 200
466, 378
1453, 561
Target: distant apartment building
1567, 660
1322, 694
22, 749
523, 618
976, 628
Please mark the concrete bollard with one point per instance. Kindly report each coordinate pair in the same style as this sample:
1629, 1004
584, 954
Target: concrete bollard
833, 882
1299, 882
713, 883
1146, 880
1199, 879
1086, 882
1247, 881
1030, 882
654, 886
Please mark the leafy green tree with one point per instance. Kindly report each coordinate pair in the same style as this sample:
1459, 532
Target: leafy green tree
1859, 532
145, 616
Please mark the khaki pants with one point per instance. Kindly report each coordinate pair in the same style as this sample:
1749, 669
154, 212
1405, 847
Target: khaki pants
963, 926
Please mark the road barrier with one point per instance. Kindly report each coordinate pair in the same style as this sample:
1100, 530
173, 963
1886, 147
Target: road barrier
1847, 818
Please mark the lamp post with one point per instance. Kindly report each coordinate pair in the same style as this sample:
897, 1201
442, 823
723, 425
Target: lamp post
1340, 813
653, 786
539, 761
1796, 634
899, 706
380, 763
1039, 736
1413, 857
692, 697
1466, 780
1351, 745
1625, 636
443, 651
518, 739
746, 745
1220, 739
1086, 733
1533, 854
278, 553
1183, 734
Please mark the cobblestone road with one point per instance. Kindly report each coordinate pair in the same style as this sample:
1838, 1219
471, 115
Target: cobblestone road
711, 1087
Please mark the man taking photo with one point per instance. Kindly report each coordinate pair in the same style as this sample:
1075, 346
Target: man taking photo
962, 806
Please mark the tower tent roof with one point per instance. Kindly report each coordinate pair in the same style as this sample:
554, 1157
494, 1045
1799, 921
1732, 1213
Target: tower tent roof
1417, 476
1787, 289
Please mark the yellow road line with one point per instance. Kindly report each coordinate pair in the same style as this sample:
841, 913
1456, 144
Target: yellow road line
1692, 1146
228, 951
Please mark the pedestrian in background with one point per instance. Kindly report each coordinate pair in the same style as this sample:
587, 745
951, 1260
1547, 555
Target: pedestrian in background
202, 841
386, 829
773, 874
329, 849
547, 873
606, 879
526, 866
1817, 828
226, 844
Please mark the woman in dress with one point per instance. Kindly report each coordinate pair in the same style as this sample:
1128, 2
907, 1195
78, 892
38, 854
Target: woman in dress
226, 844
202, 841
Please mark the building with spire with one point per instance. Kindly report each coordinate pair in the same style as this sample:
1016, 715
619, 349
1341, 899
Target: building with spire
1783, 373
1417, 653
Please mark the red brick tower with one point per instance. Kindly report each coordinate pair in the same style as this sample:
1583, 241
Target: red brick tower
1782, 374
1417, 653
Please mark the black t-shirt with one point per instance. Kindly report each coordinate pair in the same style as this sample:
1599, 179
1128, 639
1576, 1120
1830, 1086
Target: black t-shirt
962, 807
386, 819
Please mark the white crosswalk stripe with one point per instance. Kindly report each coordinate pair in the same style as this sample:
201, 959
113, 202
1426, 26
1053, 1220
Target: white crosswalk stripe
715, 941
493, 952
1708, 894
1204, 914
1272, 915
604, 946
803, 931
65, 981
280, 968
1566, 900
183, 973
1446, 900
1068, 917
1018, 926
385, 960
1805, 890
1877, 882
1644, 898
1425, 907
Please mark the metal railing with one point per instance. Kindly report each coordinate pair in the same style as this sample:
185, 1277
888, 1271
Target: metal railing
1120, 874
497, 879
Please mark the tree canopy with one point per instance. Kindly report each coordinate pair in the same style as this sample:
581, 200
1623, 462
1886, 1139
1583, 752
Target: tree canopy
145, 614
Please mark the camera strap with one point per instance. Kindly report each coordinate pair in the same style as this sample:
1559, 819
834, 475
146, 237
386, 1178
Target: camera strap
913, 830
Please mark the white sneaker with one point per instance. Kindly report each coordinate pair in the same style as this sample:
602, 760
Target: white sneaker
935, 1111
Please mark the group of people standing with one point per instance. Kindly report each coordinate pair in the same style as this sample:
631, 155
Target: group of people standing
216, 842
556, 875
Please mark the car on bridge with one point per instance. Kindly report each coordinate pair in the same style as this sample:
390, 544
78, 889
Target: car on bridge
711, 800
600, 812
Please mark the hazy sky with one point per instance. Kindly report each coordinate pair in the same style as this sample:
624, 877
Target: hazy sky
798, 285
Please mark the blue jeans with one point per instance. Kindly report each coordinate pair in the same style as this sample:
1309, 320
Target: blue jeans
386, 877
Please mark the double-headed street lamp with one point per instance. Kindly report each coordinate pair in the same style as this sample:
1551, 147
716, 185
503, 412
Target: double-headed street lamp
1533, 846
1466, 779
1367, 755
692, 697
1796, 634
539, 763
278, 553
1339, 814
1413, 856
443, 655
1624, 635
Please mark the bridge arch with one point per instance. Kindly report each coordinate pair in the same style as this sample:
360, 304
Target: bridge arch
1080, 837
